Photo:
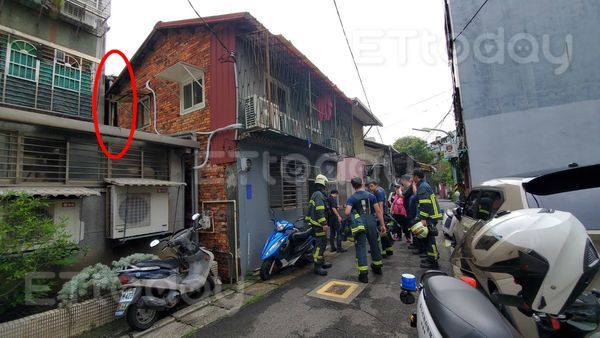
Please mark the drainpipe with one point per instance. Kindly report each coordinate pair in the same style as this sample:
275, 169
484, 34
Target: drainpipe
210, 135
154, 102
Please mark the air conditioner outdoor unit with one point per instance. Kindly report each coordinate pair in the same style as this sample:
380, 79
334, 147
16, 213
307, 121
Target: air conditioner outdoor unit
137, 210
256, 109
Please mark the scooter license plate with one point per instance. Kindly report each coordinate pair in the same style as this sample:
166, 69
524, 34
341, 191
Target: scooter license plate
126, 298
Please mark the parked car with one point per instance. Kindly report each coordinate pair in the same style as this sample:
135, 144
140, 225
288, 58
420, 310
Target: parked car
507, 194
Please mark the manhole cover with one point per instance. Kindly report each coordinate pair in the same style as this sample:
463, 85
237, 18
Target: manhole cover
336, 290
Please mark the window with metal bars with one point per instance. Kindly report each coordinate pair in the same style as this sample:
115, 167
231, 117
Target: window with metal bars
67, 73
8, 156
43, 160
290, 187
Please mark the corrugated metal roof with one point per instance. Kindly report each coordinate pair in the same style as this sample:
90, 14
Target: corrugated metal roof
51, 191
142, 182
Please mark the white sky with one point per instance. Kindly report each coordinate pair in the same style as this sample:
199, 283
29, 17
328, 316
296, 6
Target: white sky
399, 47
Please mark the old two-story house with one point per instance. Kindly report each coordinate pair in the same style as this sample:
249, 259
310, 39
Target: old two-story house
49, 55
197, 76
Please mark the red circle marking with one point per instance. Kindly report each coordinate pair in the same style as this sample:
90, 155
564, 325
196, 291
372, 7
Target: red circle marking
95, 105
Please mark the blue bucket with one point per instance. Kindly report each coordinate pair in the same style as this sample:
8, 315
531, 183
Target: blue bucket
409, 282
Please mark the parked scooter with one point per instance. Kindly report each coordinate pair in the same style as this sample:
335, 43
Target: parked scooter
158, 285
448, 307
287, 245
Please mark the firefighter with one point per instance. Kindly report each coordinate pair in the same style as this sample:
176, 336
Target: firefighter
318, 221
385, 240
428, 214
362, 207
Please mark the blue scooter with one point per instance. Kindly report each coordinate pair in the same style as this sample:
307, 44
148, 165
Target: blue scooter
287, 245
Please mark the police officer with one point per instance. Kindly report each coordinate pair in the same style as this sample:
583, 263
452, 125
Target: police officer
386, 240
317, 219
428, 214
362, 207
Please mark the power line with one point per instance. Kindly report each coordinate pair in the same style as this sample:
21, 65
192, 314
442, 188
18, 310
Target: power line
229, 51
355, 65
471, 20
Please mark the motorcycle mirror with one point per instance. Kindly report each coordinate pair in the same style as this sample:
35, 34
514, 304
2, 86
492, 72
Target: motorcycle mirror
154, 243
195, 217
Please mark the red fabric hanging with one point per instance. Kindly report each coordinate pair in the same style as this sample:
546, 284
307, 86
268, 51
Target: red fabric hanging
324, 105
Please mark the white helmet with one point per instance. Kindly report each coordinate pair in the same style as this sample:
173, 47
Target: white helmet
321, 179
547, 252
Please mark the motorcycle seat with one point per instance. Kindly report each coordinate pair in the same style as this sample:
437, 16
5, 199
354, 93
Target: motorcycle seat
301, 234
460, 310
171, 263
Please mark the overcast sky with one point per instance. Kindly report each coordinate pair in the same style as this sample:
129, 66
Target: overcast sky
399, 47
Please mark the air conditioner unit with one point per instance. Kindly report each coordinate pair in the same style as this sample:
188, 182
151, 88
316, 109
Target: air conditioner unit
68, 211
137, 210
334, 144
256, 109
76, 11
60, 56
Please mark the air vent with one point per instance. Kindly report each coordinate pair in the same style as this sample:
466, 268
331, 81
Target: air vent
60, 56
590, 256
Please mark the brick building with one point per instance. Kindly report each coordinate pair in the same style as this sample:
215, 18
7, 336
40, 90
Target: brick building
296, 124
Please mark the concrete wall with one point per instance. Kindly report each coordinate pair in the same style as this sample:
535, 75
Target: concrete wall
530, 84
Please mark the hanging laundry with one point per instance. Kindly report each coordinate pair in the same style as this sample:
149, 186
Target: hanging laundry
324, 106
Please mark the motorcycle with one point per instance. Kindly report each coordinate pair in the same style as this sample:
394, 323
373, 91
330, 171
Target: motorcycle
448, 307
149, 287
287, 245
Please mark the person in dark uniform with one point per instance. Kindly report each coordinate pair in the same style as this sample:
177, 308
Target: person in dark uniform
429, 215
386, 240
318, 221
334, 220
364, 211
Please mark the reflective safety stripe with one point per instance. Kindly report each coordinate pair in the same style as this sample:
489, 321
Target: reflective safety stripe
320, 207
357, 228
436, 213
427, 201
363, 268
311, 202
322, 219
312, 221
316, 255
423, 213
378, 263
319, 234
483, 211
356, 216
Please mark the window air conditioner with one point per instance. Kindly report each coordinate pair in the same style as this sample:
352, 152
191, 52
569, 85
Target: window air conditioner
137, 210
77, 12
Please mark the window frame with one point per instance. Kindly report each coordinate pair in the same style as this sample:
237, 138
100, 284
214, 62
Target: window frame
276, 86
68, 67
301, 189
10, 62
194, 107
141, 101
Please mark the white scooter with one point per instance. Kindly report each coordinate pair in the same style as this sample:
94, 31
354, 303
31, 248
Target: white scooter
448, 307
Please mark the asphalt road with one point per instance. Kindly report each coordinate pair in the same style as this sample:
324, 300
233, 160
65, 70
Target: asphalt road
290, 312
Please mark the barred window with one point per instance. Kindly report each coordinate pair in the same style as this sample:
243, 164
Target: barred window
290, 187
23, 61
44, 159
67, 72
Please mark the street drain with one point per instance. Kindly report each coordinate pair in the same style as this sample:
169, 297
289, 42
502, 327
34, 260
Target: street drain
336, 290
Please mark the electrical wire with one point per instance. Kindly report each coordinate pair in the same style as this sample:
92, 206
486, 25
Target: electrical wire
229, 51
471, 20
355, 65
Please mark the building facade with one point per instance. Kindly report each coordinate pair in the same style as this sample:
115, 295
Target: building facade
526, 84
49, 52
296, 124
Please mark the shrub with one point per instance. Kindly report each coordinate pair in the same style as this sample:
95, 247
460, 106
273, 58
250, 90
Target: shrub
97, 280
30, 242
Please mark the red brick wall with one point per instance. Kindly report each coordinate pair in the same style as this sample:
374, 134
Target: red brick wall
190, 45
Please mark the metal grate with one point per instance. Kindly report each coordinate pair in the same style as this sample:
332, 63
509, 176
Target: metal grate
8, 156
134, 209
44, 160
290, 188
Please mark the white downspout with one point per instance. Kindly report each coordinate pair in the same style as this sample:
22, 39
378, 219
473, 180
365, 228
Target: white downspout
210, 135
154, 103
